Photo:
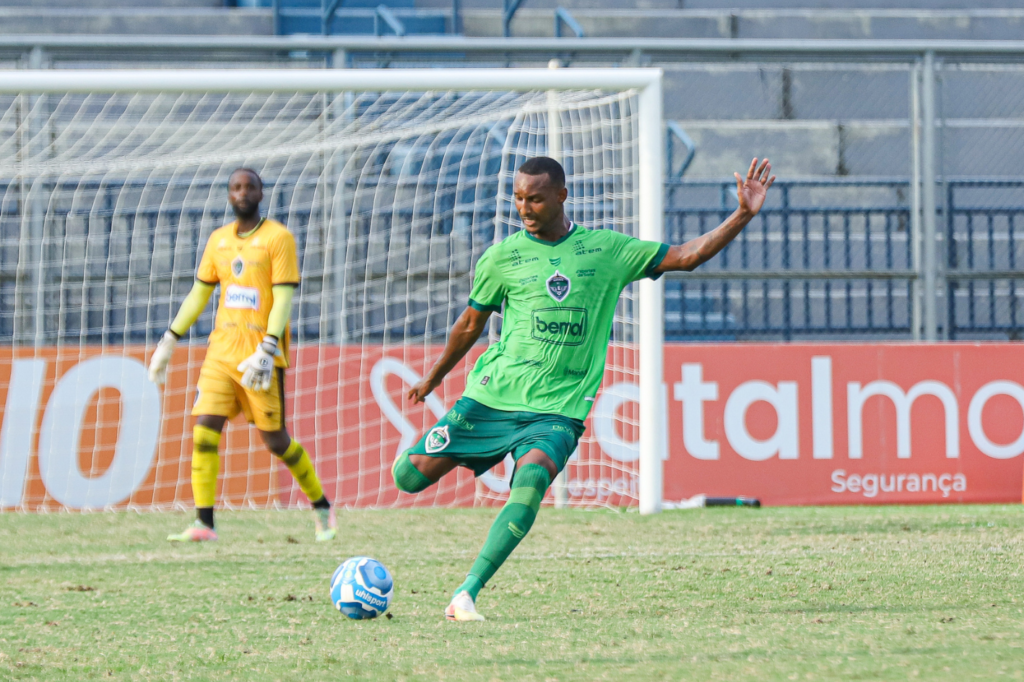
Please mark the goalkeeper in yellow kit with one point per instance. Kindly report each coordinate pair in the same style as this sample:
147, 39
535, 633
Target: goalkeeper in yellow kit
254, 262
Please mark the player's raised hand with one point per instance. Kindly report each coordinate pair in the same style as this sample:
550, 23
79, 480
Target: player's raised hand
751, 191
161, 358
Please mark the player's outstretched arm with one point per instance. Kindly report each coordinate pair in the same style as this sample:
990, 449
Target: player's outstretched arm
187, 315
751, 192
466, 330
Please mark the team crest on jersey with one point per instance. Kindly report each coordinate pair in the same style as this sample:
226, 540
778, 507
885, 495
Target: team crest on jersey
438, 439
559, 286
237, 266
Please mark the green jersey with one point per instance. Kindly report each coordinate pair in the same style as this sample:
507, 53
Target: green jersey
559, 300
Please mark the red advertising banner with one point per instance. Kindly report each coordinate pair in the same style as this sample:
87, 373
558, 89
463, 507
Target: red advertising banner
846, 424
789, 424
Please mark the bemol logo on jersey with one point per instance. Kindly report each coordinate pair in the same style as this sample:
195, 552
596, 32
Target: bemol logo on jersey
242, 298
438, 439
559, 286
562, 326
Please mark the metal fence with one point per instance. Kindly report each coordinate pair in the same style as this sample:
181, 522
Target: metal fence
812, 266
809, 267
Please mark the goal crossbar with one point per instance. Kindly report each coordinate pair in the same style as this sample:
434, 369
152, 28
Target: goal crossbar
318, 80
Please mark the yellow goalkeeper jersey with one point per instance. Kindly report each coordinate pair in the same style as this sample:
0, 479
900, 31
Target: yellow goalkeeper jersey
247, 268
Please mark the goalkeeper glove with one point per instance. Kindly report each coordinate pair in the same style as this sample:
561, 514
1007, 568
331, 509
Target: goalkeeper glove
257, 369
161, 357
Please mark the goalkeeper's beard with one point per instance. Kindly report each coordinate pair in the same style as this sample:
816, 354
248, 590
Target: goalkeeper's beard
246, 212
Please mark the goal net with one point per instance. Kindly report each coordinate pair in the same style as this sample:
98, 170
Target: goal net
112, 185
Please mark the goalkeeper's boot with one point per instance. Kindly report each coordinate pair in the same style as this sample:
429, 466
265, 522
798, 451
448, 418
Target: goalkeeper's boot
462, 609
326, 524
197, 532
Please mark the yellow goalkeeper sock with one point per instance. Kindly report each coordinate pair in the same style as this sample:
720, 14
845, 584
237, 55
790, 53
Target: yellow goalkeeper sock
205, 465
298, 462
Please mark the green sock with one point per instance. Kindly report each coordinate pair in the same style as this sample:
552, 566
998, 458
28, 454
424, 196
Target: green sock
513, 523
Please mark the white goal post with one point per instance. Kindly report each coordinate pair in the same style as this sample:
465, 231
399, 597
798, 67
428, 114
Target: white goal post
61, 133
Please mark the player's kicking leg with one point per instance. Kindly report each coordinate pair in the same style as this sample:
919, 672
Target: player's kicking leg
415, 473
205, 465
533, 475
479, 437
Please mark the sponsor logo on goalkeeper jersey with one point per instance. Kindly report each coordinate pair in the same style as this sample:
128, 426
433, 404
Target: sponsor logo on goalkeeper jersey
241, 298
437, 439
562, 326
559, 286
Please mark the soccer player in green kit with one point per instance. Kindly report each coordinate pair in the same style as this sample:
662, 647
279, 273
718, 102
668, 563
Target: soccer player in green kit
529, 393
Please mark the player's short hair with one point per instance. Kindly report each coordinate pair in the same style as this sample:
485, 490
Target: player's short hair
250, 171
543, 165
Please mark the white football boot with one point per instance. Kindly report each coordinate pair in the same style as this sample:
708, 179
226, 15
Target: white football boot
462, 609
325, 523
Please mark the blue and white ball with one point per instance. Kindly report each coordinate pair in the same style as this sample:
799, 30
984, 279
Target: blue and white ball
362, 588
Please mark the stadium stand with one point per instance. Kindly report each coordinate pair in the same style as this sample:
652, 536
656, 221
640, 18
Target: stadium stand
838, 127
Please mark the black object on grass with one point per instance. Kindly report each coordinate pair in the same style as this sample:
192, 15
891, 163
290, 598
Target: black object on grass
731, 502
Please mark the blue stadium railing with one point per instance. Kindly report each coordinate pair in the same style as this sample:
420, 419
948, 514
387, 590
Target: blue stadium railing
833, 259
826, 260
358, 17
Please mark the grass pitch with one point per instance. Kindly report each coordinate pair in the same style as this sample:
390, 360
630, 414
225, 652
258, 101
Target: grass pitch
871, 593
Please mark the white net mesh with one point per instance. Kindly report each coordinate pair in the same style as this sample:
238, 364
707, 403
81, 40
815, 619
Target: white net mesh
108, 200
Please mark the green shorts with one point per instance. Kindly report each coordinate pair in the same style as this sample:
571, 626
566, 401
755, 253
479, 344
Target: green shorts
478, 437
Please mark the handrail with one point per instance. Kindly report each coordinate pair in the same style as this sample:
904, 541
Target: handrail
327, 15
784, 275
562, 16
674, 130
387, 16
755, 49
329, 9
508, 10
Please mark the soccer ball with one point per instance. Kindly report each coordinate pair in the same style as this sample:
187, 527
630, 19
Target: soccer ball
362, 588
